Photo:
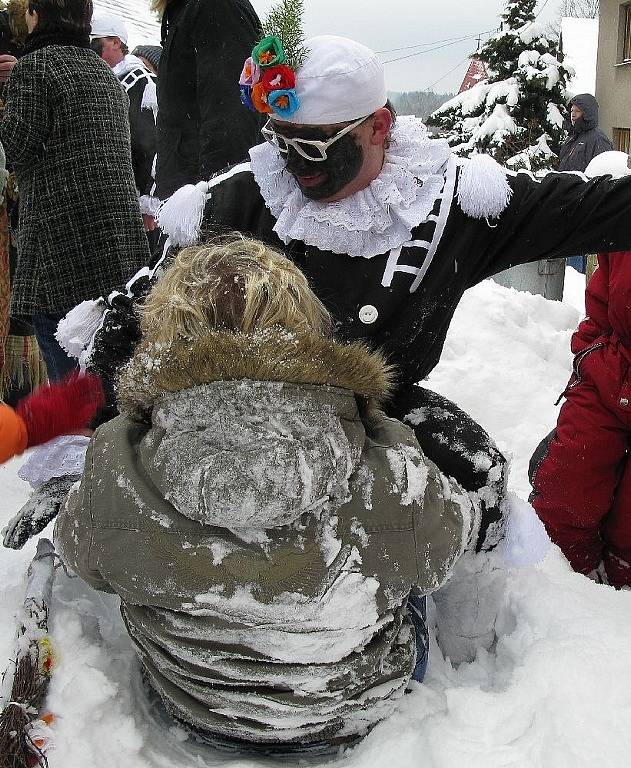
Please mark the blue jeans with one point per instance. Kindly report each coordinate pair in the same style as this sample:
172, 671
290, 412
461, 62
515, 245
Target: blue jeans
417, 609
58, 364
578, 262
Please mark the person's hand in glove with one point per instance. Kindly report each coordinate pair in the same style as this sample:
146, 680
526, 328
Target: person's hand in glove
60, 408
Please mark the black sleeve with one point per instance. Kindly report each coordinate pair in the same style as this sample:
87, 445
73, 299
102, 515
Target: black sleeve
556, 217
116, 339
226, 33
143, 139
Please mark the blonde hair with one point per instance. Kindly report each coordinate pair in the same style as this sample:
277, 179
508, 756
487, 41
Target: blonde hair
232, 283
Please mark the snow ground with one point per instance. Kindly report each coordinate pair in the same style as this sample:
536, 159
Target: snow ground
555, 692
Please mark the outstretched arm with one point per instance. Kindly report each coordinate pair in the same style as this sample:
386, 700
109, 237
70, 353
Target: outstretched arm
556, 217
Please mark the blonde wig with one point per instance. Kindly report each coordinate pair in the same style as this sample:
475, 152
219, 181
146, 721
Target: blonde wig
232, 283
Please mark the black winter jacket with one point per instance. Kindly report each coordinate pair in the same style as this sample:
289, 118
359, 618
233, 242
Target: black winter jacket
202, 125
586, 140
552, 218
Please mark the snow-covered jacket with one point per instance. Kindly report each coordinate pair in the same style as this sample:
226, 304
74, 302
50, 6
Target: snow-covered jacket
140, 85
263, 528
585, 139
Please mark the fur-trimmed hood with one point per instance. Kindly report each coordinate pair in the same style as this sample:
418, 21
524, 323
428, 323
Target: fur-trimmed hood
252, 431
275, 355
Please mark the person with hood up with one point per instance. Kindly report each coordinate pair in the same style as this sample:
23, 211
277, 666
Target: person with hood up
109, 39
580, 473
585, 141
271, 533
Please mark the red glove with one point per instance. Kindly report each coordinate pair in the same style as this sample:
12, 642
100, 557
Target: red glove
61, 408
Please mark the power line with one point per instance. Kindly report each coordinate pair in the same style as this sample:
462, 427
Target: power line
459, 64
436, 48
447, 42
434, 42
541, 9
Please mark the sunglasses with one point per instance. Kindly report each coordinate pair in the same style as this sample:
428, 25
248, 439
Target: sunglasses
310, 149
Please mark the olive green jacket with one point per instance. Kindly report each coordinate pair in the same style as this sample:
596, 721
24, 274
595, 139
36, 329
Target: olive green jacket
263, 525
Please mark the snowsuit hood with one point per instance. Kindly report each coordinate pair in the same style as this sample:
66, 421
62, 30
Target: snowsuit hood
284, 621
589, 107
256, 452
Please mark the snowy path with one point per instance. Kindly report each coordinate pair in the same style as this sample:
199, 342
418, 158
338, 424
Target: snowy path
557, 691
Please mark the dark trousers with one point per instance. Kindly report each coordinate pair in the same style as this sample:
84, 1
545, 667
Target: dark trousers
58, 364
460, 448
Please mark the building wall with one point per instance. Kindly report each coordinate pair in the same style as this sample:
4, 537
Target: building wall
613, 79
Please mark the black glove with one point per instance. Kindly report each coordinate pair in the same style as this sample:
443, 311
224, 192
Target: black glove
42, 506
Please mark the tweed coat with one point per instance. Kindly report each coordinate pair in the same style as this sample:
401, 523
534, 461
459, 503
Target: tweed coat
66, 135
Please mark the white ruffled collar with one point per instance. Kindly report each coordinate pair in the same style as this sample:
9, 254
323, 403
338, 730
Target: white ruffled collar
372, 221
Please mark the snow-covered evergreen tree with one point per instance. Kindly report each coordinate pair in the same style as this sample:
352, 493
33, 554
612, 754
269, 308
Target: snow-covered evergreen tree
516, 115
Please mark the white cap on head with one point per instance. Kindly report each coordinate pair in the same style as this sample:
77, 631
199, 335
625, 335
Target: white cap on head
340, 81
610, 163
109, 26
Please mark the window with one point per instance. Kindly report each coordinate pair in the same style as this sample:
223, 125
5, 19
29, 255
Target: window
622, 139
625, 29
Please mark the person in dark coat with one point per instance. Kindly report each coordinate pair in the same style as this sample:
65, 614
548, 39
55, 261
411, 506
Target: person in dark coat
585, 139
391, 251
65, 132
584, 142
202, 127
109, 39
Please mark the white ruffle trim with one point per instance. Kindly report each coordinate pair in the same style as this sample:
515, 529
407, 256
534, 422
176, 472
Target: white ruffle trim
372, 221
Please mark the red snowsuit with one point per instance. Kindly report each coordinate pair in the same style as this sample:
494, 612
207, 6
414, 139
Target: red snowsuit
583, 484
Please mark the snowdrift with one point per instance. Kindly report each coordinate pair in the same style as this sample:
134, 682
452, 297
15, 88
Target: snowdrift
556, 690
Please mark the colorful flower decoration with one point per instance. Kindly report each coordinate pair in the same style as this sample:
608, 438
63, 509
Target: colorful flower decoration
284, 102
260, 98
251, 73
278, 78
245, 92
269, 52
267, 84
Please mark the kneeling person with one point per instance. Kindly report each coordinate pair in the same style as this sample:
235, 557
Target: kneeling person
271, 534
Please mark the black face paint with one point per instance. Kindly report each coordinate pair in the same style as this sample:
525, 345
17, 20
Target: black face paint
97, 45
344, 161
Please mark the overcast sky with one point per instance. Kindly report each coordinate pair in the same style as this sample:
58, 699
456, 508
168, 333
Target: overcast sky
386, 24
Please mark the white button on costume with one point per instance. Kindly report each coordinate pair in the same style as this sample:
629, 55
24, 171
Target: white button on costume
368, 314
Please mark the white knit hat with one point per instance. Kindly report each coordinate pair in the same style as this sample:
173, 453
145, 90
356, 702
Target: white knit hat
340, 81
109, 26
